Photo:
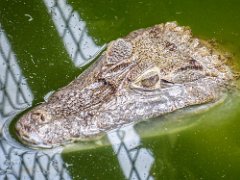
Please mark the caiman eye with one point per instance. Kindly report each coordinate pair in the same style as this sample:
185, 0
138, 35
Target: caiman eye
150, 81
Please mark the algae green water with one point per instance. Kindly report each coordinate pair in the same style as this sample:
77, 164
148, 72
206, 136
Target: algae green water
183, 145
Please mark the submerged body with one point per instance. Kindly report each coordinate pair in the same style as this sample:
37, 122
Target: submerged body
148, 73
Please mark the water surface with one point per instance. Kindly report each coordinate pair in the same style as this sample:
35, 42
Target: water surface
44, 45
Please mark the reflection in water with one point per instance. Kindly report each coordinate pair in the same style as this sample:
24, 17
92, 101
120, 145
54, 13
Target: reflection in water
72, 29
15, 95
18, 163
14, 90
134, 160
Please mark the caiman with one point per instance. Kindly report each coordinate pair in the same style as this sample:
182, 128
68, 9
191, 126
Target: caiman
148, 73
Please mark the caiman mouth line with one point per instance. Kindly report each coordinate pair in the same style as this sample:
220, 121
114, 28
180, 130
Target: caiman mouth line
148, 73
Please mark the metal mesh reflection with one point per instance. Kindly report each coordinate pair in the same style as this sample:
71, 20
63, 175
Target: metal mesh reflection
14, 91
135, 160
73, 32
15, 94
26, 164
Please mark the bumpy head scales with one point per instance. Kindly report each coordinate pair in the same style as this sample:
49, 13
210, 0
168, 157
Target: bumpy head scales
148, 73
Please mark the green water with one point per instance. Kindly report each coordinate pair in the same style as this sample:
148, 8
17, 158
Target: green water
201, 146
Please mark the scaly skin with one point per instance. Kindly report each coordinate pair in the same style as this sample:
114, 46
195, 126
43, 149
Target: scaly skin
148, 73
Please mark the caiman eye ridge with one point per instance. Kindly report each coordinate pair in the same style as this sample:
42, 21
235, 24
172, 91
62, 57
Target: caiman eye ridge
148, 73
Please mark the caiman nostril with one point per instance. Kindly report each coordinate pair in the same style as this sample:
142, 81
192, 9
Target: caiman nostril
40, 116
27, 127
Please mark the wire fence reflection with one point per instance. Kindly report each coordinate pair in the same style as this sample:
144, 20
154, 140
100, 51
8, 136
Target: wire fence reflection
135, 160
14, 91
26, 164
72, 30
15, 95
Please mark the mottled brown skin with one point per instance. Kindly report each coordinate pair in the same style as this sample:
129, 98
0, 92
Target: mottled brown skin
148, 73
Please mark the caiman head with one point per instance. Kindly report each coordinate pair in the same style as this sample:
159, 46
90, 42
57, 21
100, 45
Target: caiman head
148, 73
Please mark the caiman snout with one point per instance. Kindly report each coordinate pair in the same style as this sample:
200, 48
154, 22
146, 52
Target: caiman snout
27, 126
